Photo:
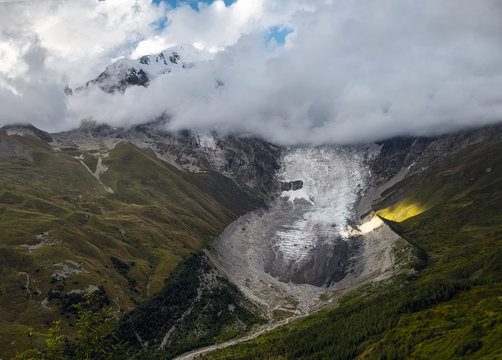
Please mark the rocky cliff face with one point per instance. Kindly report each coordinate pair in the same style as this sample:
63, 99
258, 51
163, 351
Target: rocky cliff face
415, 154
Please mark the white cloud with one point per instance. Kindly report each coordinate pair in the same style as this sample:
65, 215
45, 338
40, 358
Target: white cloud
215, 26
350, 71
152, 45
212, 26
80, 36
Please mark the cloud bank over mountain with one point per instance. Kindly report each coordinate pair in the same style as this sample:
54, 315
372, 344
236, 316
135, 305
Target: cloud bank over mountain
348, 71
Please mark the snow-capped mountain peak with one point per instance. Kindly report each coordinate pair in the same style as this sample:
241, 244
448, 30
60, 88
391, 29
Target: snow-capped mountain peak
125, 72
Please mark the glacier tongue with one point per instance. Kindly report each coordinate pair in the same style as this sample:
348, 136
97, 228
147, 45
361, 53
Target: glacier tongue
333, 178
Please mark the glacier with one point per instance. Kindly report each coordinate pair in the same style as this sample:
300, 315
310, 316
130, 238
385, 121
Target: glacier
333, 178
307, 241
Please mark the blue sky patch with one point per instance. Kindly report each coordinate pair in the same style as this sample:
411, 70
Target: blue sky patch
192, 3
278, 33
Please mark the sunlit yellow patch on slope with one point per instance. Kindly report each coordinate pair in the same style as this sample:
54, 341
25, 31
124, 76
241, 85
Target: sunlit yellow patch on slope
402, 211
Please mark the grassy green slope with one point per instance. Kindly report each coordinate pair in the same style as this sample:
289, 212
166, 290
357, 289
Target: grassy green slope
450, 307
155, 216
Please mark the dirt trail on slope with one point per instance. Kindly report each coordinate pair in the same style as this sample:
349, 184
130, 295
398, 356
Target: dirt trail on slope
194, 354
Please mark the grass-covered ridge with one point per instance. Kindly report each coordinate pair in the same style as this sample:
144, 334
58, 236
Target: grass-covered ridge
62, 231
449, 308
